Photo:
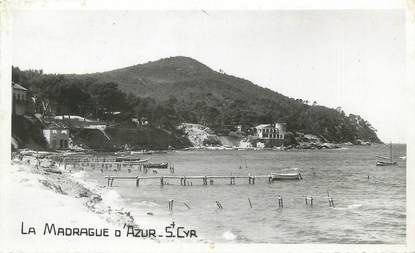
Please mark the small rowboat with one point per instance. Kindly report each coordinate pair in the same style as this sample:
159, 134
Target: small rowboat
287, 174
127, 159
385, 163
156, 165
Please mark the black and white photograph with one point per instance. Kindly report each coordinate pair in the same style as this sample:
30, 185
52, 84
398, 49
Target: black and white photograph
205, 129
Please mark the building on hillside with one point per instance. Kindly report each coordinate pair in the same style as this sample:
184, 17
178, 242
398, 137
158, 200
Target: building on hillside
143, 121
21, 104
239, 128
274, 131
57, 138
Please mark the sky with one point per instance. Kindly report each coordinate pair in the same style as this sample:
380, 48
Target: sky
354, 59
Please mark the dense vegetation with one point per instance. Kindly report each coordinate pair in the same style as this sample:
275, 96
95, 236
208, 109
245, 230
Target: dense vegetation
180, 89
27, 131
130, 138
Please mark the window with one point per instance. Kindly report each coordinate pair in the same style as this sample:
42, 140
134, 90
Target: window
61, 143
54, 131
65, 143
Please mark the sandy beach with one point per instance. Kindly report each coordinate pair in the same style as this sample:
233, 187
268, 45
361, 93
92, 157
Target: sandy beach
35, 197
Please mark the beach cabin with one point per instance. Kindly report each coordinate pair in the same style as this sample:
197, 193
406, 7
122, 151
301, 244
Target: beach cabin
57, 138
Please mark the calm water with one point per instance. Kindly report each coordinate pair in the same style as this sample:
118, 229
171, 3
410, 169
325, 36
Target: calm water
366, 210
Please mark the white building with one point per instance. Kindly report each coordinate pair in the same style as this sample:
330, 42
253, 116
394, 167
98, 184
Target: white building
57, 138
20, 100
271, 131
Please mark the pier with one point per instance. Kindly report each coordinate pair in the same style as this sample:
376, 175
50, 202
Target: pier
113, 163
184, 180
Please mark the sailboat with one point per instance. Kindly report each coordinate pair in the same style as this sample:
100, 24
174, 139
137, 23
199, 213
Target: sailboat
387, 160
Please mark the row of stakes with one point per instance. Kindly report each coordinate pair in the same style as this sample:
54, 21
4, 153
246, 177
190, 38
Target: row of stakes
129, 170
308, 201
184, 181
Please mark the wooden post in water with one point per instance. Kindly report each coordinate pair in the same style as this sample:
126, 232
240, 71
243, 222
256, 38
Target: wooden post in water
161, 181
137, 182
280, 202
309, 201
188, 207
331, 202
250, 204
171, 205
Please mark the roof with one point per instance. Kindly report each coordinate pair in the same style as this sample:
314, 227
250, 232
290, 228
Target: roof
55, 128
18, 86
263, 126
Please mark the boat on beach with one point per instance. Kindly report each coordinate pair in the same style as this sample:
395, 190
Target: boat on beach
127, 159
156, 165
150, 152
287, 174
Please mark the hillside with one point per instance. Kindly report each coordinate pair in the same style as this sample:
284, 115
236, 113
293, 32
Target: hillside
183, 78
196, 89
118, 138
27, 133
180, 89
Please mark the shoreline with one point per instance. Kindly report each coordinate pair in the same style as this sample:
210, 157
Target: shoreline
90, 193
46, 195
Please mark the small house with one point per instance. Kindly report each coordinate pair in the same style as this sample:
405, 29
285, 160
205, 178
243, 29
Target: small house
57, 138
21, 100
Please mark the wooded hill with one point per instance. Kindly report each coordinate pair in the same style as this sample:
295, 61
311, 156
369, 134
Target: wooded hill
180, 89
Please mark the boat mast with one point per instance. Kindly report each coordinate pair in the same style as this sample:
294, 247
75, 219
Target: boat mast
390, 151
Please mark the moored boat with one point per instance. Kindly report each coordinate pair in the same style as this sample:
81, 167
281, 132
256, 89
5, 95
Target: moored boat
127, 159
388, 161
156, 165
385, 163
287, 174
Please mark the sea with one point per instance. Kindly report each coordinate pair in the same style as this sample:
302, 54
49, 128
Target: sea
369, 201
